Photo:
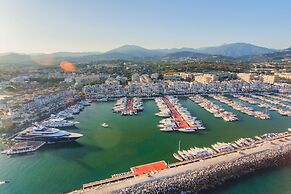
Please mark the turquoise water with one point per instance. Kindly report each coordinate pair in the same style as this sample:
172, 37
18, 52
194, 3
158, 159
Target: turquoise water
131, 141
270, 181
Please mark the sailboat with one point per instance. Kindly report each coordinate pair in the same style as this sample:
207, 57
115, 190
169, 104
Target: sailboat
177, 156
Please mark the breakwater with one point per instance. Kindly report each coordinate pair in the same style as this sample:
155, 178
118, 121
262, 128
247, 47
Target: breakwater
194, 181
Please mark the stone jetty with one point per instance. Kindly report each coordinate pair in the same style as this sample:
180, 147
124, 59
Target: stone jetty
205, 174
211, 176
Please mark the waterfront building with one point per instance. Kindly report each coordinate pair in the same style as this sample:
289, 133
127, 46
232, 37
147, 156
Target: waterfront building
247, 77
178, 88
286, 76
187, 76
172, 77
206, 78
269, 79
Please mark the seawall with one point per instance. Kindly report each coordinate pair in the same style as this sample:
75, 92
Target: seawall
211, 176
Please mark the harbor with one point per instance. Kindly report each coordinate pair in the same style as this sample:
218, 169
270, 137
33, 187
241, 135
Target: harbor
139, 136
145, 97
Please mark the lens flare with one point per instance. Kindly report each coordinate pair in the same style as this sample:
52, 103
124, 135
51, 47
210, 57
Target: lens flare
46, 59
67, 66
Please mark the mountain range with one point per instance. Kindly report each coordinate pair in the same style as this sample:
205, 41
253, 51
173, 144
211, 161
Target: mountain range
128, 52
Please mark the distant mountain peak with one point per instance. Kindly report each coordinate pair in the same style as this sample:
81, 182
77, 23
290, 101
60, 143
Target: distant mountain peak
238, 49
128, 47
133, 50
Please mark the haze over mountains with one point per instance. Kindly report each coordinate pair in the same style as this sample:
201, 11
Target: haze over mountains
234, 50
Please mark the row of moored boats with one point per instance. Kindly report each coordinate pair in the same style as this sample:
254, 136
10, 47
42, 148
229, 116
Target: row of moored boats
196, 153
241, 107
272, 104
215, 109
176, 117
128, 106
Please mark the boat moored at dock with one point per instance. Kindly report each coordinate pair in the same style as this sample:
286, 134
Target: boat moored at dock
241, 107
23, 147
128, 106
216, 110
58, 122
46, 134
180, 118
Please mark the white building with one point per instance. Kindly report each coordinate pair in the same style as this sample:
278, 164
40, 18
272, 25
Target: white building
206, 78
247, 77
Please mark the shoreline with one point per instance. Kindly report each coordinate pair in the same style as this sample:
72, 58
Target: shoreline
203, 175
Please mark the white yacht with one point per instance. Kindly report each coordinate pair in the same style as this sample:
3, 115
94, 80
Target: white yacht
58, 122
104, 125
46, 134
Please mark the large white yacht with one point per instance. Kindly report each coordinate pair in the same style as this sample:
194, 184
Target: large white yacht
46, 134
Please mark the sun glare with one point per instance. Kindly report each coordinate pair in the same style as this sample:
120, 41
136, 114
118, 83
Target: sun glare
67, 66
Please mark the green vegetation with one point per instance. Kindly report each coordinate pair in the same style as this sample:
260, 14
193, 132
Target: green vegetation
48, 82
7, 129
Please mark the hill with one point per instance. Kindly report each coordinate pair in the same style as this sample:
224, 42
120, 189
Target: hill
236, 50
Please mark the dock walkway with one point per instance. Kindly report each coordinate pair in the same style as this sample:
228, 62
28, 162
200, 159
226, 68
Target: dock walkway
179, 120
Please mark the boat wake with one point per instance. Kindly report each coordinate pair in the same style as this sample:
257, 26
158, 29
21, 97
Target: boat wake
3, 182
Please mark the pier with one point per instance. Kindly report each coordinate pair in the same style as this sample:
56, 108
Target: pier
272, 104
280, 98
215, 109
181, 175
241, 107
128, 106
129, 110
107, 181
178, 118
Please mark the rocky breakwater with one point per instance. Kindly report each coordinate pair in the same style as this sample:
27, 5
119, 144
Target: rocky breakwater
194, 181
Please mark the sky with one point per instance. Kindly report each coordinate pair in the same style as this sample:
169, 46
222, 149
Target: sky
45, 26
